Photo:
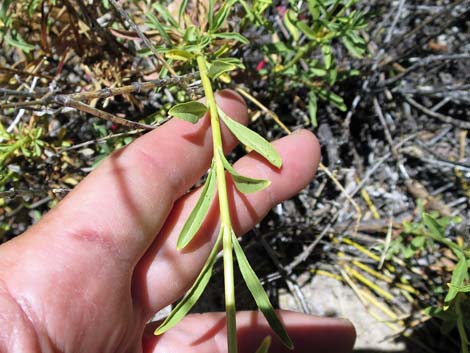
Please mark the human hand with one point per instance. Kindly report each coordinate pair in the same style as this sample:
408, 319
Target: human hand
94, 270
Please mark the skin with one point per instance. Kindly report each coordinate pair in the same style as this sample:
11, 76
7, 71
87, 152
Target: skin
95, 269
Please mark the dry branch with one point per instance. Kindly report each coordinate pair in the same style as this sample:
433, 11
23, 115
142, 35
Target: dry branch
74, 100
444, 118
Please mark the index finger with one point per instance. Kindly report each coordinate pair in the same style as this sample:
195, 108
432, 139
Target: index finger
121, 206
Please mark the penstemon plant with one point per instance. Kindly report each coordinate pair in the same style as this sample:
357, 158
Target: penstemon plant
216, 180
212, 66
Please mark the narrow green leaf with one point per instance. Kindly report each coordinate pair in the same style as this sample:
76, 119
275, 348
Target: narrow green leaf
332, 75
463, 289
221, 16
194, 293
356, 38
264, 346
33, 5
155, 24
327, 55
333, 98
163, 11
459, 275
309, 32
261, 5
210, 14
4, 17
312, 108
258, 293
250, 15
220, 66
243, 183
279, 48
357, 50
189, 111
252, 139
314, 9
163, 73
191, 34
179, 54
233, 61
437, 233
231, 36
14, 39
199, 212
318, 71
204, 41
182, 10
438, 313
290, 22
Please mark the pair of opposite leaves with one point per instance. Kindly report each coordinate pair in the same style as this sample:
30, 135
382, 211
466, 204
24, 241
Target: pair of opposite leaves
192, 112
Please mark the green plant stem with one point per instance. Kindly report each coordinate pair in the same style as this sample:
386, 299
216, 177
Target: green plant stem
11, 149
461, 323
307, 48
6, 178
225, 222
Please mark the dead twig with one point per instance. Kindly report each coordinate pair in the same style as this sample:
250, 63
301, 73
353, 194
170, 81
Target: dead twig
101, 94
444, 118
290, 279
308, 250
104, 115
15, 193
376, 166
38, 92
401, 5
91, 22
418, 28
74, 100
100, 140
264, 109
388, 136
123, 13
421, 63
323, 168
24, 73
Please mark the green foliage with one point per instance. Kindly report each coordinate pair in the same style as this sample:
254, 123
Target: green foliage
258, 293
252, 140
419, 236
224, 65
193, 294
205, 47
199, 212
11, 15
264, 346
317, 24
429, 235
189, 111
26, 143
312, 108
243, 183
15, 40
460, 274
5, 15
